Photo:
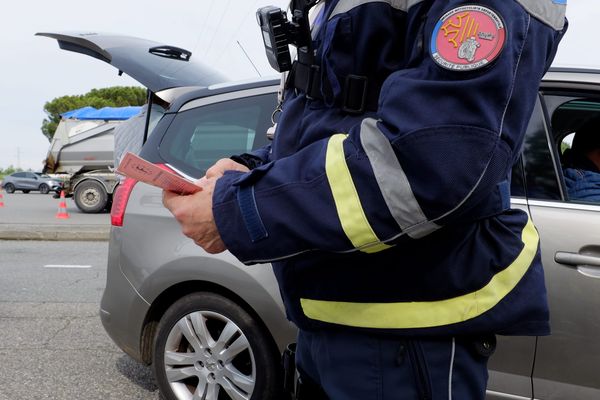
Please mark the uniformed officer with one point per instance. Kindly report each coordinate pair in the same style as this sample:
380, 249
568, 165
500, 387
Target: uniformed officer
384, 202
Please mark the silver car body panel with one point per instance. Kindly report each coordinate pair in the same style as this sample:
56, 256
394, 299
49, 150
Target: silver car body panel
227, 96
122, 309
567, 361
149, 225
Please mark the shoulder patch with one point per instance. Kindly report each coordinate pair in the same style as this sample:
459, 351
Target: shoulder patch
467, 38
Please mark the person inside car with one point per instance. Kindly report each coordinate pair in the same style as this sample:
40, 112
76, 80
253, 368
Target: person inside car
582, 163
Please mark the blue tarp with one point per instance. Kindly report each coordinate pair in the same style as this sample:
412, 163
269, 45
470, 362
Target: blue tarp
106, 113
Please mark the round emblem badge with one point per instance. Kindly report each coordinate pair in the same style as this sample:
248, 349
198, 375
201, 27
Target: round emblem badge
467, 38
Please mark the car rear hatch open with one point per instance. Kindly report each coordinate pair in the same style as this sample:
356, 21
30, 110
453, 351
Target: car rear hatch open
155, 65
163, 69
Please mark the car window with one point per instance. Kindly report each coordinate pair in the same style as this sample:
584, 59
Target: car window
517, 182
538, 159
19, 174
200, 136
576, 134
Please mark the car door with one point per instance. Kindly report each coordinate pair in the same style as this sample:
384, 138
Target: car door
566, 362
198, 135
31, 181
20, 180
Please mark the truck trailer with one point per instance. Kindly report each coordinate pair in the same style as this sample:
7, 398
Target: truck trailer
81, 154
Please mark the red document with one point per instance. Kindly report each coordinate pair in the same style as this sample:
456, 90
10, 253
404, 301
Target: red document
141, 170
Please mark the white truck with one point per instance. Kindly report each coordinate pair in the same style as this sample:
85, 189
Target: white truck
82, 155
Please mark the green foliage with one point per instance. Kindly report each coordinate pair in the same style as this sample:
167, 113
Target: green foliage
118, 96
8, 171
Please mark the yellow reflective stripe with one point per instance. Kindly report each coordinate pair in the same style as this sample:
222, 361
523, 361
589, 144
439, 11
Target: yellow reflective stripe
428, 314
347, 203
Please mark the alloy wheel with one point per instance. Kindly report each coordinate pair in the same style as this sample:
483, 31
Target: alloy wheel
208, 357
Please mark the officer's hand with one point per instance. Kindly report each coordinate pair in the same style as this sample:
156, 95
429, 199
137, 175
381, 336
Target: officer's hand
194, 213
224, 164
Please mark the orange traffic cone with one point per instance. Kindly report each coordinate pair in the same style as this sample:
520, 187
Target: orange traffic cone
62, 207
1, 199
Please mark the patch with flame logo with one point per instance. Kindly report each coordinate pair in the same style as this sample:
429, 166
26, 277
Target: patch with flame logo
467, 38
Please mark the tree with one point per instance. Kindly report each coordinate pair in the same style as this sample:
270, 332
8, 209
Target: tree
8, 171
118, 96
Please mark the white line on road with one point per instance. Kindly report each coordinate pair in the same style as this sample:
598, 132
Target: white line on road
67, 266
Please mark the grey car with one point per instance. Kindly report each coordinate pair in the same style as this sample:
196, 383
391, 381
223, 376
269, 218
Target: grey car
163, 292
213, 328
207, 323
31, 181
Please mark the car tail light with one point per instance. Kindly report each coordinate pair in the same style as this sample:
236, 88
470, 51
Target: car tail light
120, 199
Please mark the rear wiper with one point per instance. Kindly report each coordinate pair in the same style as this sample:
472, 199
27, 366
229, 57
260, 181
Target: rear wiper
171, 52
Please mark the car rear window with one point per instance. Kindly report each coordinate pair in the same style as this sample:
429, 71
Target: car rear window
200, 136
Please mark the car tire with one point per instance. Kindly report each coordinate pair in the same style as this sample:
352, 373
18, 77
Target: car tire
44, 189
26, 191
90, 197
9, 187
207, 346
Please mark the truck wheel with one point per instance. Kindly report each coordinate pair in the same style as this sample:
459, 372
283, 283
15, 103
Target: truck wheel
91, 197
44, 189
9, 187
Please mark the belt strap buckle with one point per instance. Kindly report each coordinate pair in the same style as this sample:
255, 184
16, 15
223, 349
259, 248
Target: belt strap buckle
313, 83
307, 79
355, 94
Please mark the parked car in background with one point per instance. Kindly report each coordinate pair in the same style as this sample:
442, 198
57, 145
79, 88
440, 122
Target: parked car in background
213, 328
31, 181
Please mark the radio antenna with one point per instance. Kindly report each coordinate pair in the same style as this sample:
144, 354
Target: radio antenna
248, 57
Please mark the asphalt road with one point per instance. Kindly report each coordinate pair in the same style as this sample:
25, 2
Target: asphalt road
52, 343
36, 208
33, 216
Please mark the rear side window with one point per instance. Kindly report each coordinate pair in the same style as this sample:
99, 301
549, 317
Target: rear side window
200, 136
576, 134
19, 175
539, 160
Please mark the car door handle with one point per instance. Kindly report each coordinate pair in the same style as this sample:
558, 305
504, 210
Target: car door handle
586, 265
576, 259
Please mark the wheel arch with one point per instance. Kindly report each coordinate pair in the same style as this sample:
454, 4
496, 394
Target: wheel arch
178, 291
91, 178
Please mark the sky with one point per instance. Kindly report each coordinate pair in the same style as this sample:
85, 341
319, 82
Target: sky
34, 70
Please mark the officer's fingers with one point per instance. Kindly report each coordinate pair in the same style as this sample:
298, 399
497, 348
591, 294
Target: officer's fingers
202, 181
217, 169
168, 198
177, 204
222, 165
214, 172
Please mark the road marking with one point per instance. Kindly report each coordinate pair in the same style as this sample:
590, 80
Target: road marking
67, 266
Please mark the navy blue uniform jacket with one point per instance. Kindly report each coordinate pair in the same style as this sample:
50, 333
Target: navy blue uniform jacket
398, 220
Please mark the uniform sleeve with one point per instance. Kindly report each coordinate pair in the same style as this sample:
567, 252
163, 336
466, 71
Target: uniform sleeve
255, 158
438, 152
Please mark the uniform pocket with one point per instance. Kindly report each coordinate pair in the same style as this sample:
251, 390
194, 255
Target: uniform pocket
420, 370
